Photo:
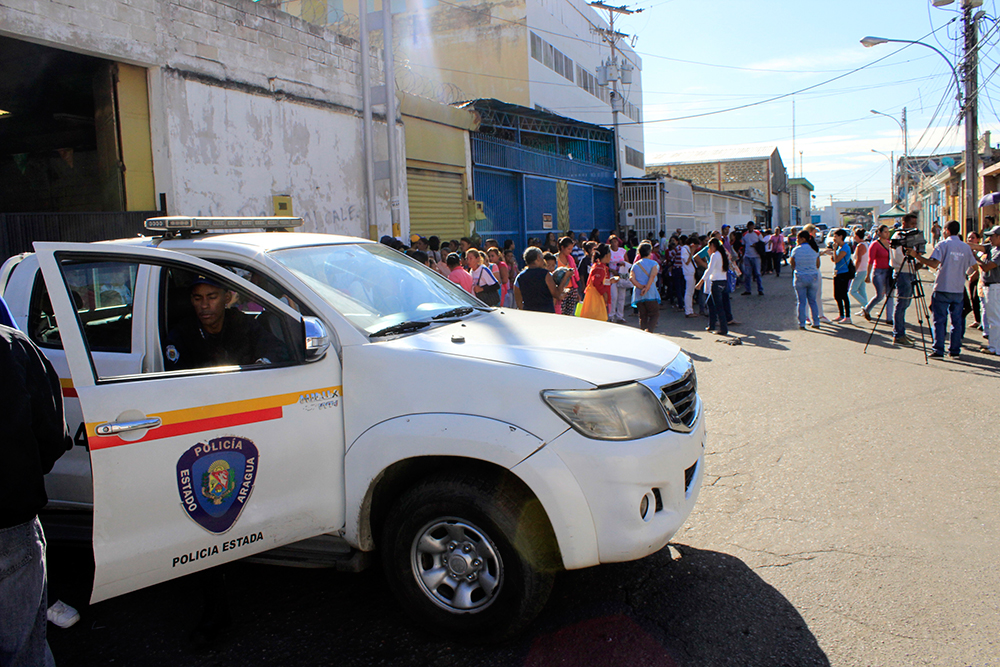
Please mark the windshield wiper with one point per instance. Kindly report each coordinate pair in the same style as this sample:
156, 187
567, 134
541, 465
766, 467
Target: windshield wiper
454, 312
402, 327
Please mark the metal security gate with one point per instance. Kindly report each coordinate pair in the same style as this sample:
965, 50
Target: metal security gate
604, 211
437, 203
501, 194
643, 199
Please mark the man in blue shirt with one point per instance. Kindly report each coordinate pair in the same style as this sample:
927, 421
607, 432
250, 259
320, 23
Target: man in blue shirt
952, 258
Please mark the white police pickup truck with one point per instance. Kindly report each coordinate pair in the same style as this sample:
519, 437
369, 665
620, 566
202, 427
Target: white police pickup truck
478, 450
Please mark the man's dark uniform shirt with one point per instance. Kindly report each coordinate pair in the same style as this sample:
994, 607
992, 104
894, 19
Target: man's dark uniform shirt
241, 342
35, 433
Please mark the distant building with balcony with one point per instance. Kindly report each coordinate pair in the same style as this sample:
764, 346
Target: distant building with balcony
739, 170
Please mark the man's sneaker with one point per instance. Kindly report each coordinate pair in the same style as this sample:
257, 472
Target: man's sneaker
62, 615
936, 355
760, 294
955, 355
905, 341
745, 294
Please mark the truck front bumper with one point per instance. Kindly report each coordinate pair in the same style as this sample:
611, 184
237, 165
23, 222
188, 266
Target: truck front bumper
636, 493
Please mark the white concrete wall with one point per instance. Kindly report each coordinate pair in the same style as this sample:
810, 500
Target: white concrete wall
246, 102
711, 211
566, 24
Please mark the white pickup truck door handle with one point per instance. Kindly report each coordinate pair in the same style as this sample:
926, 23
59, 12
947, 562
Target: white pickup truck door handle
113, 428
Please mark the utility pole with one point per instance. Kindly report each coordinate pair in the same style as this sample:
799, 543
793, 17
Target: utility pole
971, 70
612, 75
379, 95
906, 165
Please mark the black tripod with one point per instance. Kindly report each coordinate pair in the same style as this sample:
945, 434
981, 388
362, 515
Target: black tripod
918, 296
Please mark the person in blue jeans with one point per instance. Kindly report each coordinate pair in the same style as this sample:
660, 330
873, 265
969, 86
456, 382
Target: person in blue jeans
905, 275
716, 275
880, 274
751, 259
35, 435
804, 261
952, 258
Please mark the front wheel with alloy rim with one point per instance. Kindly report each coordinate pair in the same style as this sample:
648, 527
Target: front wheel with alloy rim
469, 558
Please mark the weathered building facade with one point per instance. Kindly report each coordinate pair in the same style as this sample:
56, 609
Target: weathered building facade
541, 54
216, 107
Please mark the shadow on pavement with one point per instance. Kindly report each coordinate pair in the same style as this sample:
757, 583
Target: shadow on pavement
703, 608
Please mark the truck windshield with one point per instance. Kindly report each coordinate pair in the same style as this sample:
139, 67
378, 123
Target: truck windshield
375, 287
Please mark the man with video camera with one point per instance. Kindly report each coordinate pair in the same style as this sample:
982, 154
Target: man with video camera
952, 258
904, 273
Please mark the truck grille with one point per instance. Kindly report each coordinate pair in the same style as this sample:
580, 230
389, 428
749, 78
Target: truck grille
680, 400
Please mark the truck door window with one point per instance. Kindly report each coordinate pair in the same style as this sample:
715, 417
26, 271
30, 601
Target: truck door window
103, 293
264, 282
206, 323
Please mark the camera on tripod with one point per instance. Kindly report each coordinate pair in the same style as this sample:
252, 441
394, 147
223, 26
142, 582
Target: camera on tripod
908, 239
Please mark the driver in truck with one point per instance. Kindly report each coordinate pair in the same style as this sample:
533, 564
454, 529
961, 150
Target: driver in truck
217, 335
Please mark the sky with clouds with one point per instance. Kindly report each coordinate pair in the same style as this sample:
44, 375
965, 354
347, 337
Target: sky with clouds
703, 61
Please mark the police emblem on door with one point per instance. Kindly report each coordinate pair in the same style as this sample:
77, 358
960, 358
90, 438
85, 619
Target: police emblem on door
215, 480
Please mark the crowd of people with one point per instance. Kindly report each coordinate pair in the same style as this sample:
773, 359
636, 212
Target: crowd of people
889, 259
583, 275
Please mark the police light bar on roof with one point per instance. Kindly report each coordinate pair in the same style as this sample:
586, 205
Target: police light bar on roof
188, 223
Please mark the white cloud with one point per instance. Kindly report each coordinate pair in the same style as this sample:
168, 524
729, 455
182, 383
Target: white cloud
847, 58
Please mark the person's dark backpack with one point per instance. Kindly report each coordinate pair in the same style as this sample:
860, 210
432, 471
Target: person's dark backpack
491, 293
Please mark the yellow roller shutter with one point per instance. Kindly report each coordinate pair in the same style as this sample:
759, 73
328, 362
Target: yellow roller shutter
437, 203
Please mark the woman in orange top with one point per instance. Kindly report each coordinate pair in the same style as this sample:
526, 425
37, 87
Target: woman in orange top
600, 280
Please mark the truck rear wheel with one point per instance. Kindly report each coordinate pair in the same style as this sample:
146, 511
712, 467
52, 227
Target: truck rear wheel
469, 559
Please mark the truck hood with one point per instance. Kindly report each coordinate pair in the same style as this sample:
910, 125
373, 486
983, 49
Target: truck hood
597, 352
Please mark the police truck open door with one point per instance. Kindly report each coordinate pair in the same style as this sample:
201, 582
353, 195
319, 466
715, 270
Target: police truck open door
193, 468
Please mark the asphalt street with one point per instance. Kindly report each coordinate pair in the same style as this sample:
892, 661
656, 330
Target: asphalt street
848, 517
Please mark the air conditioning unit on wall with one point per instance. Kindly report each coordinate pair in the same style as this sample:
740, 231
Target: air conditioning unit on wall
627, 218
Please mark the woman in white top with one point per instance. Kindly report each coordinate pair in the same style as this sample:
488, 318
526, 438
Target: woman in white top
688, 270
858, 290
484, 283
715, 276
618, 266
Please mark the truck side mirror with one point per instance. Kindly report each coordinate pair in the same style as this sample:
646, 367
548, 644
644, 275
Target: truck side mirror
317, 339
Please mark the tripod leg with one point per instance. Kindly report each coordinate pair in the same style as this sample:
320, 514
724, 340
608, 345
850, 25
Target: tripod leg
920, 298
885, 302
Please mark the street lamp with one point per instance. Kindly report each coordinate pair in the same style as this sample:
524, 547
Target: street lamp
869, 42
906, 155
970, 68
892, 172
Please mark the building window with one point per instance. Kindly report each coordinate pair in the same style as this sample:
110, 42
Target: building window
559, 62
568, 69
634, 158
536, 47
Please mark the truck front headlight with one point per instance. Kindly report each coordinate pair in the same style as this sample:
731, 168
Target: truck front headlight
627, 412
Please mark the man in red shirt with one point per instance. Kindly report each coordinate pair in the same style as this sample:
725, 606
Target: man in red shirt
458, 275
